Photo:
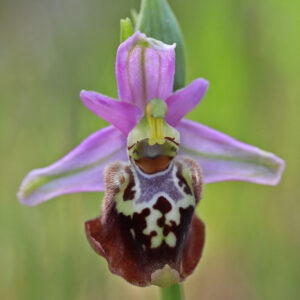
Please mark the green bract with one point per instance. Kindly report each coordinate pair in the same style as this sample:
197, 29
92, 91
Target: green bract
126, 29
157, 20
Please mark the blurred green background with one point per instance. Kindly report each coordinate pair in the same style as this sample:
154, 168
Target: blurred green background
250, 53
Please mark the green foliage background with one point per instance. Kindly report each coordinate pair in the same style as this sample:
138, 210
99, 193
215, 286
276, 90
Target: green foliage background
248, 50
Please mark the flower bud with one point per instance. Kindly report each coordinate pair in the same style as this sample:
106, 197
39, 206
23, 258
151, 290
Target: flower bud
126, 29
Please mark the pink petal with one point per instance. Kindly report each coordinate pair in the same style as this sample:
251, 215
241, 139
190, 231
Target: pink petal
223, 158
144, 69
79, 171
185, 100
123, 116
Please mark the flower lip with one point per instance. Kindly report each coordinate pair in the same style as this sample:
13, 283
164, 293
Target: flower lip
148, 231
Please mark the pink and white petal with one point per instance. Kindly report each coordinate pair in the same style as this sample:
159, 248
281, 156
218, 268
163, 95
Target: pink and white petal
123, 116
223, 158
79, 171
185, 100
145, 69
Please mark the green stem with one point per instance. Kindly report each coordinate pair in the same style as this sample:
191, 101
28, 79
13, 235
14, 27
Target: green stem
173, 292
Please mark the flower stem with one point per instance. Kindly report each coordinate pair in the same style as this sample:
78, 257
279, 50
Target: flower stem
174, 292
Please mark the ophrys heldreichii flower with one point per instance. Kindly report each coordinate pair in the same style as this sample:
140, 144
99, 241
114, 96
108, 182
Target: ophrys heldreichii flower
148, 231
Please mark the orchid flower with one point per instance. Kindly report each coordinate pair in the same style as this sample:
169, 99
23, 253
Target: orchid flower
152, 164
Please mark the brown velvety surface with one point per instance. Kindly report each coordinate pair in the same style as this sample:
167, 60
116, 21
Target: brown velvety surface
128, 259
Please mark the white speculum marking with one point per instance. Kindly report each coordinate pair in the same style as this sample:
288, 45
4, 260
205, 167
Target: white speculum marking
129, 207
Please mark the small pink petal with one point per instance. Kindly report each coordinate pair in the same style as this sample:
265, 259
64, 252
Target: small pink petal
123, 116
185, 100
